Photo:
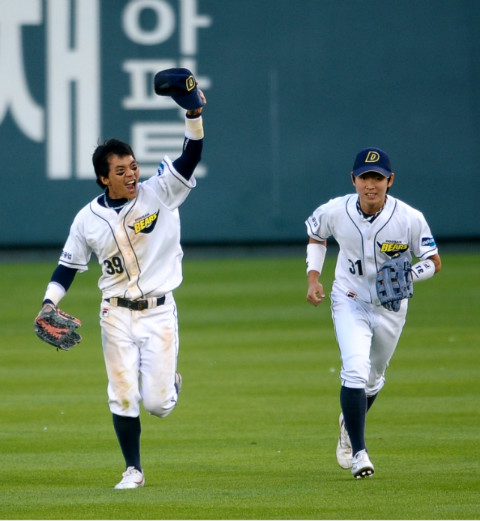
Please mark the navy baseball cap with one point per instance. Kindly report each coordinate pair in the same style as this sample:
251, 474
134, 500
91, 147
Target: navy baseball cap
372, 160
181, 85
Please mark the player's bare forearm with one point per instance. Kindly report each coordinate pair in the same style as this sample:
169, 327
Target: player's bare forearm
437, 261
316, 251
315, 292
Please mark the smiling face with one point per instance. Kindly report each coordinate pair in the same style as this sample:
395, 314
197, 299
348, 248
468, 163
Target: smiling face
371, 188
123, 175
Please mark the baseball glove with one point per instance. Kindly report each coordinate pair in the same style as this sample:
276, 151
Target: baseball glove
394, 281
57, 328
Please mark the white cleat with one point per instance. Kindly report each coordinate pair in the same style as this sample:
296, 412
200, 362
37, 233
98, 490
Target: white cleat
132, 478
344, 446
362, 467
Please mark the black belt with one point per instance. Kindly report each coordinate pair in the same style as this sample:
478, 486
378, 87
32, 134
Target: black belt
136, 305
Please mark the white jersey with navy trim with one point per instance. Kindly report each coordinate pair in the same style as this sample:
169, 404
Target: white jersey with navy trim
128, 244
364, 245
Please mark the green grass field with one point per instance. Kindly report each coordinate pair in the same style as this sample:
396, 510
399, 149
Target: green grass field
255, 431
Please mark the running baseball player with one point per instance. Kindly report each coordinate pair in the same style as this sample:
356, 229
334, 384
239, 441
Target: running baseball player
378, 236
133, 228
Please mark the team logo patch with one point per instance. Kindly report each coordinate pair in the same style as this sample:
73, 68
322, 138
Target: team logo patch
372, 157
145, 224
190, 83
392, 247
428, 241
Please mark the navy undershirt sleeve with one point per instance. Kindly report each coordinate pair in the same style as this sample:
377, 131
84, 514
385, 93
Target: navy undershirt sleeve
191, 155
63, 276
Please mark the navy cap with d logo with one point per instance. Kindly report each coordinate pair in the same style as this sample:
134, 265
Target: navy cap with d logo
372, 160
180, 84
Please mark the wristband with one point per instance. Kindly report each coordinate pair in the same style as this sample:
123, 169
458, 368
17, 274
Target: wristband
423, 270
55, 292
315, 256
194, 128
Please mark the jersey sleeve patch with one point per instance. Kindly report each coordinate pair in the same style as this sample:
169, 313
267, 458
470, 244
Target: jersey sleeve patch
428, 241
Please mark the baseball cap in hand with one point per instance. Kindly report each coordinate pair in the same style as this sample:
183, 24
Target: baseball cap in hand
181, 85
372, 160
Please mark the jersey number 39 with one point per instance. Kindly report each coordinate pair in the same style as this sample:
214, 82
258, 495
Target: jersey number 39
113, 265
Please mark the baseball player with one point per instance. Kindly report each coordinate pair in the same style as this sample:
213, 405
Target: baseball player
133, 228
370, 227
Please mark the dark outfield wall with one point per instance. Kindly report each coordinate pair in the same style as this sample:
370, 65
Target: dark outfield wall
295, 88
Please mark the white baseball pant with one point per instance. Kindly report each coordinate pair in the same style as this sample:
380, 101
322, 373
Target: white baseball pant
367, 336
140, 350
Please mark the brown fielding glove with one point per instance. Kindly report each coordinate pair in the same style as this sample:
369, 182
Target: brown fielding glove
57, 328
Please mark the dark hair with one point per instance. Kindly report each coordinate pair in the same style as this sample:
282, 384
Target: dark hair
103, 152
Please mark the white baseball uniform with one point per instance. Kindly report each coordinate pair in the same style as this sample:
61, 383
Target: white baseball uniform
128, 246
366, 332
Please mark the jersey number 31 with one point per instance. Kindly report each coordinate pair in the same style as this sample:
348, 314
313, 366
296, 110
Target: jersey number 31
356, 267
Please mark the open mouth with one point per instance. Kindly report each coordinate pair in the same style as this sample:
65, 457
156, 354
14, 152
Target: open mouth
131, 186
